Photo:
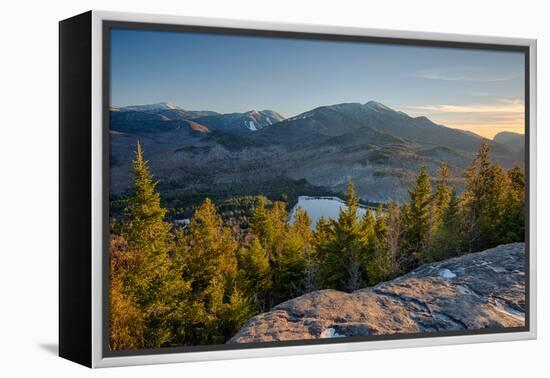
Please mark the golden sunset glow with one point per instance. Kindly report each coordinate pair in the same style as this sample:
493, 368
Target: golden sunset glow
486, 120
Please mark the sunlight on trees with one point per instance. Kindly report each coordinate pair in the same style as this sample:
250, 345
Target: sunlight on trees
199, 284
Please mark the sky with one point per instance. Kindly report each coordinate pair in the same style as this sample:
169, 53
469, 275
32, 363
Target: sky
476, 90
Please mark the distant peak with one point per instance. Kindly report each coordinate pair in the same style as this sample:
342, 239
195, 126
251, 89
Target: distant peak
166, 105
155, 106
377, 105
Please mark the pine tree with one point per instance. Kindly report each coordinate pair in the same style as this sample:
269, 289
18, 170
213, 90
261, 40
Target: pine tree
448, 239
368, 223
341, 265
155, 281
394, 236
494, 208
379, 263
441, 198
474, 197
234, 313
417, 220
484, 202
302, 226
513, 218
290, 274
256, 272
323, 239
125, 318
212, 270
269, 225
278, 224
213, 249
145, 227
259, 224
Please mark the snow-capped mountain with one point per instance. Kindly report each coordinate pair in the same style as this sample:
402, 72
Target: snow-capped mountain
150, 107
241, 122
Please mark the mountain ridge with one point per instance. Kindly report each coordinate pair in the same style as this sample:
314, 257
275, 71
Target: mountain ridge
381, 149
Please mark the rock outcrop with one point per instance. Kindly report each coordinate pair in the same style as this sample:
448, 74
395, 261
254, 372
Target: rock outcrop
474, 291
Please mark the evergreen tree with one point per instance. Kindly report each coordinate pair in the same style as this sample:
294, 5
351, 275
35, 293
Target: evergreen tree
256, 272
474, 197
441, 198
213, 249
368, 223
269, 225
259, 225
484, 202
212, 270
145, 228
323, 239
290, 274
234, 313
448, 240
394, 236
125, 318
379, 264
513, 218
278, 222
494, 208
155, 281
417, 220
341, 259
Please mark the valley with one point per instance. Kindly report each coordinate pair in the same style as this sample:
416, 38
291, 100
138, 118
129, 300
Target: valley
203, 153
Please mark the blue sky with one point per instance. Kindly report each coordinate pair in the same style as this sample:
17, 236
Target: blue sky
476, 90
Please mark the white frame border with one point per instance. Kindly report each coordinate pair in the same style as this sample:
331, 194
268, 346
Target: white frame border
97, 192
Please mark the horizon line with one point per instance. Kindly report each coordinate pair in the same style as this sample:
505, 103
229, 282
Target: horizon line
465, 127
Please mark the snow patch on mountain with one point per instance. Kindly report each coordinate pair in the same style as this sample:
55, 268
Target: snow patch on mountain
251, 126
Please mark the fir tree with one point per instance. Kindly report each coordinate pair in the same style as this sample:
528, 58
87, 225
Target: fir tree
513, 218
212, 270
475, 197
155, 281
484, 202
379, 264
213, 249
417, 220
394, 236
278, 224
341, 259
290, 273
256, 271
145, 228
269, 225
259, 225
448, 239
125, 318
441, 198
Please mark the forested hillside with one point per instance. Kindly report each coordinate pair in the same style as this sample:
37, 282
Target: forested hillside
194, 285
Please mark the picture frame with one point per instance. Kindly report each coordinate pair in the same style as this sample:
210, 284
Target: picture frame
84, 104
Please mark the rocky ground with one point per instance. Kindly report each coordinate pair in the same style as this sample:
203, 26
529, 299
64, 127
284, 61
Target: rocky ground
474, 291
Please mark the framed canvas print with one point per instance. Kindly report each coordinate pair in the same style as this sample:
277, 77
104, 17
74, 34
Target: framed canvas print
237, 189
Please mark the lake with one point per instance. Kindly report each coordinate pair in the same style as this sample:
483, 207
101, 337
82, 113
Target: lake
327, 207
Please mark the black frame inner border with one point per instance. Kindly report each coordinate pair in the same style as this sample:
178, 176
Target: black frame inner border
107, 25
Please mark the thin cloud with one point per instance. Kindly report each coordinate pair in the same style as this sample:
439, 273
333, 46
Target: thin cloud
512, 107
483, 119
465, 73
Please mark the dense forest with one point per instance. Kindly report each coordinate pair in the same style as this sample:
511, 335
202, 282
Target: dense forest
196, 285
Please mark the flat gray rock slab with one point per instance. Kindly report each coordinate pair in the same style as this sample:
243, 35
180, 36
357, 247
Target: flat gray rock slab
474, 291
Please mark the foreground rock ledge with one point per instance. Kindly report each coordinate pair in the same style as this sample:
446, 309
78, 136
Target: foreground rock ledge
474, 291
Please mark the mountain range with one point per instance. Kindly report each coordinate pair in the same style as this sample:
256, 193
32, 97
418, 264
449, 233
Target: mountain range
196, 153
